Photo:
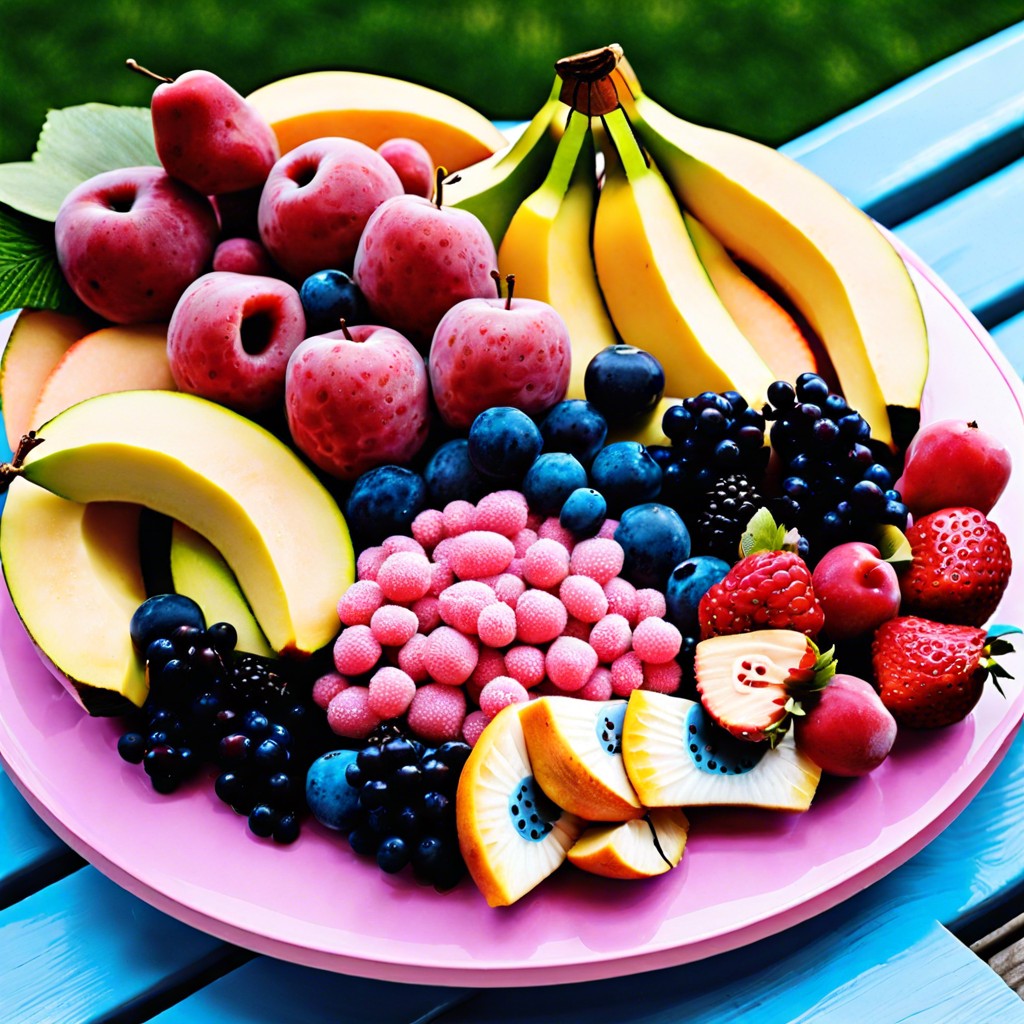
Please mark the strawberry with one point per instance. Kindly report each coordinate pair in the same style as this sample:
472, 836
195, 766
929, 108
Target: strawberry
750, 683
931, 674
769, 588
961, 565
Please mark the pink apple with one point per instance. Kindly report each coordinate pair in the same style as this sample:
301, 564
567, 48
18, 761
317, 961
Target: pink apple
357, 398
849, 732
857, 589
230, 338
242, 256
952, 463
131, 241
489, 352
412, 164
317, 200
417, 259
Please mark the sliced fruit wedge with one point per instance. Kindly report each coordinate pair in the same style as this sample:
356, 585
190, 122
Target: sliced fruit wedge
575, 747
511, 835
641, 848
676, 756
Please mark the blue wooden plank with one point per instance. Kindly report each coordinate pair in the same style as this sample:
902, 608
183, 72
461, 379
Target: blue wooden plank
83, 949
928, 137
31, 856
973, 241
1010, 338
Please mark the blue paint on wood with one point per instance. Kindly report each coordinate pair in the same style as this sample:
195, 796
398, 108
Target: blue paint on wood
928, 137
1010, 338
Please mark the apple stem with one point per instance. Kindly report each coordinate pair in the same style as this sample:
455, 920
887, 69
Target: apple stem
136, 66
346, 331
439, 175
496, 278
510, 283
9, 470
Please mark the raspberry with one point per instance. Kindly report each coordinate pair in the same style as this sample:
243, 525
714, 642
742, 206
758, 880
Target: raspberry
627, 674
552, 529
437, 712
410, 658
496, 625
357, 605
576, 628
349, 713
569, 663
656, 640
583, 598
490, 665
428, 613
540, 617
473, 726
523, 539
461, 604
533, 521
356, 651
546, 563
525, 664
369, 561
508, 588
399, 542
503, 512
327, 687
441, 576
599, 558
611, 637
649, 603
428, 528
458, 517
608, 528
480, 553
499, 693
450, 656
391, 692
517, 568
392, 625
598, 686
405, 576
622, 598
442, 553
664, 677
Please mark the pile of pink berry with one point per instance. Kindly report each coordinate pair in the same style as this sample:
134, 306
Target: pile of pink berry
484, 606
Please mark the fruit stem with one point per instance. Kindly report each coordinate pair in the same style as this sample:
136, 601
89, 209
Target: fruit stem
136, 66
590, 73
345, 331
510, 287
439, 175
496, 278
9, 470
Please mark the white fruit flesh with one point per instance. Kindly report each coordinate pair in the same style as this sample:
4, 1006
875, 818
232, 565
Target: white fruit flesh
629, 850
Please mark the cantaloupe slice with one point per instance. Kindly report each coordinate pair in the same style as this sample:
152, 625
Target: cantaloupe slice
130, 358
641, 848
38, 340
772, 332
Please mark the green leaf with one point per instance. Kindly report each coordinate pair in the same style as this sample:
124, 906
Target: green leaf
75, 144
29, 272
762, 534
893, 546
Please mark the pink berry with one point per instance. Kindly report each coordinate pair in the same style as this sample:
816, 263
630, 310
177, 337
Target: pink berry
441, 575
525, 664
502, 512
599, 558
583, 598
428, 528
598, 686
540, 617
327, 687
356, 651
393, 625
650, 604
391, 692
412, 162
428, 613
608, 528
459, 516
369, 562
552, 529
461, 604
496, 626
517, 568
479, 553
349, 714
656, 640
359, 602
399, 542
410, 658
473, 727
523, 539
611, 637
490, 666
622, 599
437, 712
450, 656
546, 563
243, 256
405, 576
508, 588
501, 692
570, 662
576, 628
627, 674
664, 677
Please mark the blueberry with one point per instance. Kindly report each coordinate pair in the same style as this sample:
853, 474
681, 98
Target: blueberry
782, 394
574, 426
654, 541
158, 653
551, 479
332, 800
450, 475
503, 442
625, 474
677, 422
132, 747
255, 724
688, 582
270, 756
222, 636
384, 501
287, 829
232, 788
393, 854
583, 512
262, 821
624, 382
363, 840
159, 616
811, 388
328, 297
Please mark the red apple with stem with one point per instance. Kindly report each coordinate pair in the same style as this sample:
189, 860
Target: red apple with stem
857, 588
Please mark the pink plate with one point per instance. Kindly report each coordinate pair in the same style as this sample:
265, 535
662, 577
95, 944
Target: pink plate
745, 875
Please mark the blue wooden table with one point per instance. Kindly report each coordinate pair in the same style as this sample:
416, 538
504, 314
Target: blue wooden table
940, 160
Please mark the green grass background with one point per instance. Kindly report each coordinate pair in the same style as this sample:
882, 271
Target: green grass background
770, 69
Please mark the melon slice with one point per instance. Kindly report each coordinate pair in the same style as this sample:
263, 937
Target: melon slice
676, 756
129, 358
511, 835
575, 747
38, 340
641, 848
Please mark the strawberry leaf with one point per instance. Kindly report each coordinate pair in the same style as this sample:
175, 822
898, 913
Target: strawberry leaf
762, 534
29, 272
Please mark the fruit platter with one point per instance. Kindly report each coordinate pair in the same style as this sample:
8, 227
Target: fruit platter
453, 560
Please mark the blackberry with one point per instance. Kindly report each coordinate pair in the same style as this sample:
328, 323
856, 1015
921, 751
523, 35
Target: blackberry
728, 507
255, 680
